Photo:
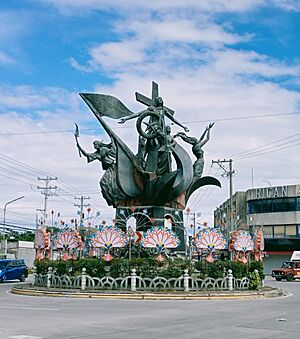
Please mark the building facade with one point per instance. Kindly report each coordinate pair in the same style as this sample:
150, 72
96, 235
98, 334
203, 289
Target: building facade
277, 210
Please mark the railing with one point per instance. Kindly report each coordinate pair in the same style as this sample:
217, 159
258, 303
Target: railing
134, 282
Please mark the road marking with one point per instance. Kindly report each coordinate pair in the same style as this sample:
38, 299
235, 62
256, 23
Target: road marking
24, 337
29, 308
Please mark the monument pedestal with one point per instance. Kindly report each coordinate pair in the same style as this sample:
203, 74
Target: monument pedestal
142, 218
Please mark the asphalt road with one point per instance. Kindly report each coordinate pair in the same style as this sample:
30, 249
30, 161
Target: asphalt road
23, 317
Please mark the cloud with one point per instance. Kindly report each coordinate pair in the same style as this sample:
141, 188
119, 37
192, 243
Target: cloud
150, 41
205, 71
117, 54
12, 26
67, 6
290, 5
82, 68
26, 138
5, 59
182, 30
25, 97
249, 62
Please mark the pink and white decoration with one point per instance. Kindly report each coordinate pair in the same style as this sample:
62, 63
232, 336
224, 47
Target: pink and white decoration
41, 244
259, 245
210, 239
107, 238
243, 244
67, 239
160, 238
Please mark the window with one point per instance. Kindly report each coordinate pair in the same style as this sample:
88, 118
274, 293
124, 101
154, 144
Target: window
278, 205
268, 231
3, 264
290, 204
274, 205
279, 232
298, 204
290, 231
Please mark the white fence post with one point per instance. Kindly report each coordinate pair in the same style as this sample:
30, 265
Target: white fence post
34, 274
49, 275
83, 278
230, 280
186, 280
133, 280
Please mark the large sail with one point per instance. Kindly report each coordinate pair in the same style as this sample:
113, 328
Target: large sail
126, 173
106, 105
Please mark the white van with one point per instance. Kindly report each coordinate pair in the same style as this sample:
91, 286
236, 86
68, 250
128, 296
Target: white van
295, 256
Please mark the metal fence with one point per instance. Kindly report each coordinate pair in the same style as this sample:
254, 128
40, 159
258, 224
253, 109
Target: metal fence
134, 282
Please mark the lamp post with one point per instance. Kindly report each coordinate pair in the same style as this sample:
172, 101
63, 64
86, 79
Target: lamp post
130, 234
4, 215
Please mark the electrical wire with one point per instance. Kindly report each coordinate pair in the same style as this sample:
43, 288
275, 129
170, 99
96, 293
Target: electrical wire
186, 122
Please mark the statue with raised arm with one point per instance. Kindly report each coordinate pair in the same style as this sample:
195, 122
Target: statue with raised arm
197, 148
105, 153
157, 107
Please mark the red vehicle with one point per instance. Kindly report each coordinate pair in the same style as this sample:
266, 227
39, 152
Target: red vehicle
290, 270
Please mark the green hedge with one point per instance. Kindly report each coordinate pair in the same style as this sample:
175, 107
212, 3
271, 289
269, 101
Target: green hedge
149, 267
146, 267
218, 268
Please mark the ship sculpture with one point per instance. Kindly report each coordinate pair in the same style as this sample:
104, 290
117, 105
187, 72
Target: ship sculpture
156, 182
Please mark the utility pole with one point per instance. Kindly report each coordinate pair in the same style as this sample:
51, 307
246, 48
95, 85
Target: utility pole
81, 205
47, 192
229, 174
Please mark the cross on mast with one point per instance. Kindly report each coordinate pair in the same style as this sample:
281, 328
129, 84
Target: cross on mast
151, 102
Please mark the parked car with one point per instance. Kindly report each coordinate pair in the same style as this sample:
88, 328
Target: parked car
11, 269
289, 270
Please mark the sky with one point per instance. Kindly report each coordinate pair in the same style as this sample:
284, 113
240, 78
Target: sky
232, 62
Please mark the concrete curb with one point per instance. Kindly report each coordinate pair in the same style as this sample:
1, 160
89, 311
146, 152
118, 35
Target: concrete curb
241, 295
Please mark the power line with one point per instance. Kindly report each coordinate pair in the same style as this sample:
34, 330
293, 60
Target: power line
241, 117
47, 192
186, 122
81, 205
267, 152
265, 145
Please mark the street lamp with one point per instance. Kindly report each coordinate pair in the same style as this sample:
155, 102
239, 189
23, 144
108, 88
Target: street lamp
4, 215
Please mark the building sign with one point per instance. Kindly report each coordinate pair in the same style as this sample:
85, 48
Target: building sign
269, 192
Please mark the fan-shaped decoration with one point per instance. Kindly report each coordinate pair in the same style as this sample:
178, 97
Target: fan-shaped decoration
243, 243
210, 239
108, 237
259, 245
67, 239
41, 243
160, 238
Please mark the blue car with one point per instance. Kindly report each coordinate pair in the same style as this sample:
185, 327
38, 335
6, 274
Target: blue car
11, 269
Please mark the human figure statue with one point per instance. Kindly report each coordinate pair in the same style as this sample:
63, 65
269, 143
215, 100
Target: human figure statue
197, 148
166, 142
159, 108
105, 153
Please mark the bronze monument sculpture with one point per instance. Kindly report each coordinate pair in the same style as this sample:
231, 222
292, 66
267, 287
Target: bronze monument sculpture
157, 182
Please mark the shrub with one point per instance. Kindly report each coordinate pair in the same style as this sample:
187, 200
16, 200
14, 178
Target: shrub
217, 269
259, 266
150, 268
255, 281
